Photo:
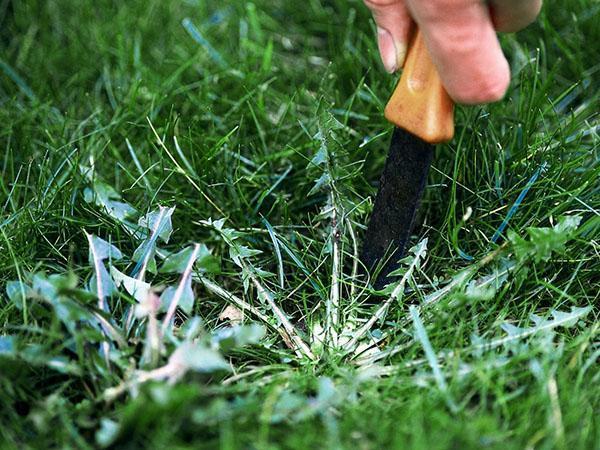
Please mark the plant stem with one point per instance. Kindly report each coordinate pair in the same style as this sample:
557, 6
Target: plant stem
333, 302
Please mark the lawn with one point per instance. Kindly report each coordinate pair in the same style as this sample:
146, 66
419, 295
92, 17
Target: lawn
184, 189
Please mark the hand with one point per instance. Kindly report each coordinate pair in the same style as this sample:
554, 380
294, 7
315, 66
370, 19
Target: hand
461, 37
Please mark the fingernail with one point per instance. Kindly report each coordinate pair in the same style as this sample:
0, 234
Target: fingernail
388, 50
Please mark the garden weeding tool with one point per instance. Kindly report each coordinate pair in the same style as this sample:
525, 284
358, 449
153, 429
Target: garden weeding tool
423, 113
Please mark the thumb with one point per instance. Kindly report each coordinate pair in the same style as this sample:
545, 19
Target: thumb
462, 41
393, 30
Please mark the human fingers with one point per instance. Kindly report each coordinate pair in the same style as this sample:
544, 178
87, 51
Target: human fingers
462, 41
393, 31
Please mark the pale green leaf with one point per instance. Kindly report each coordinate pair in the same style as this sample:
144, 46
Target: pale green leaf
136, 288
159, 223
198, 357
18, 293
238, 336
108, 432
101, 250
177, 262
183, 297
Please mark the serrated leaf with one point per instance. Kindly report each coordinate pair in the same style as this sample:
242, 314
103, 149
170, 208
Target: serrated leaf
198, 357
207, 262
230, 234
249, 334
51, 287
184, 300
238, 336
108, 432
136, 288
237, 252
569, 319
246, 252
246, 275
217, 224
70, 312
536, 319
101, 283
261, 273
43, 287
159, 224
544, 241
320, 157
182, 296
118, 210
18, 292
559, 319
177, 262
323, 180
511, 329
476, 291
108, 199
144, 256
101, 250
416, 254
567, 224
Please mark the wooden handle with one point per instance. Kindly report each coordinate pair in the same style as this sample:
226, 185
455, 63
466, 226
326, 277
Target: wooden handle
420, 104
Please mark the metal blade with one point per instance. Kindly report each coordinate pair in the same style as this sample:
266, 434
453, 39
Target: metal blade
400, 191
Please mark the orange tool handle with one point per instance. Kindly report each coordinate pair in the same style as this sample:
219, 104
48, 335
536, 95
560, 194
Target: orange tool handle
420, 104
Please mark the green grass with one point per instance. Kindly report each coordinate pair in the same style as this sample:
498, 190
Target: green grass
214, 108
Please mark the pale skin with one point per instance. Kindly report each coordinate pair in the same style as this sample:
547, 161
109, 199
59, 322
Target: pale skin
461, 37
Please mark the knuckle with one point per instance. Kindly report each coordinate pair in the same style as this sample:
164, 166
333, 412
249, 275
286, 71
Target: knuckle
477, 76
483, 90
